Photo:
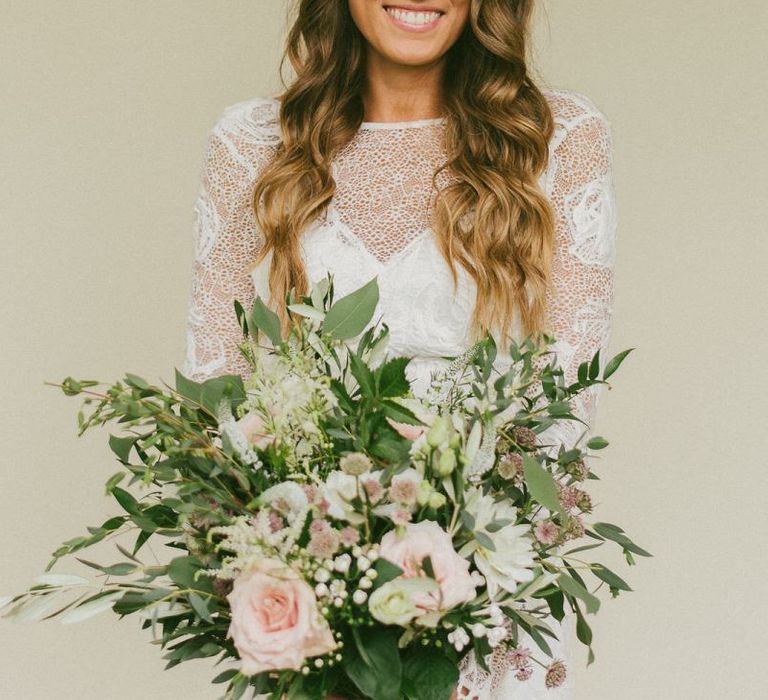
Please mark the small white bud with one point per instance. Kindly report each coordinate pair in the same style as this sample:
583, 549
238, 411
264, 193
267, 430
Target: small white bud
479, 630
342, 562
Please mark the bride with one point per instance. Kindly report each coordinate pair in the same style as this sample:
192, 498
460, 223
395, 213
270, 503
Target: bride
414, 146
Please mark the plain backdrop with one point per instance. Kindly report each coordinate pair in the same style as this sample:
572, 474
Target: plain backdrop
105, 108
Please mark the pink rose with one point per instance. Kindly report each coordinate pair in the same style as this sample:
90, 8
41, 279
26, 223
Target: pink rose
428, 539
252, 426
275, 621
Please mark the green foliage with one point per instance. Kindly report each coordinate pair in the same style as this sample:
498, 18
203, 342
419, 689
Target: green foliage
349, 316
373, 663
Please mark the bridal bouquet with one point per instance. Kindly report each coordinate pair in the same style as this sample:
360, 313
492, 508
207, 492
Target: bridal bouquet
332, 531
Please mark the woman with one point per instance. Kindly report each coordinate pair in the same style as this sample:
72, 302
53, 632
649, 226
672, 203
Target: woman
414, 146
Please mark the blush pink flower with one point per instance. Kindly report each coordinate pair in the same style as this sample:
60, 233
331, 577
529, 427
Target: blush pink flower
519, 657
275, 621
406, 430
350, 536
252, 426
546, 531
428, 539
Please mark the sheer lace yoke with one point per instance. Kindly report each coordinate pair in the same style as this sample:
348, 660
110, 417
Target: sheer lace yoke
386, 204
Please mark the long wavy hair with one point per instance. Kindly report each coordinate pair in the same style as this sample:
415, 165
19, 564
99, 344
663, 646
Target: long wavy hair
493, 218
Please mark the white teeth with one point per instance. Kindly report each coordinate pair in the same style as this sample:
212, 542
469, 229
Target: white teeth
411, 17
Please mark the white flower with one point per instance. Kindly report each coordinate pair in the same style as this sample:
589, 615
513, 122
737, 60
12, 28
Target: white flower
496, 636
342, 562
512, 561
287, 497
340, 490
459, 638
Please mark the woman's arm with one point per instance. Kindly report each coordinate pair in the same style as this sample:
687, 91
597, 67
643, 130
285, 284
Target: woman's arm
226, 239
580, 187
580, 305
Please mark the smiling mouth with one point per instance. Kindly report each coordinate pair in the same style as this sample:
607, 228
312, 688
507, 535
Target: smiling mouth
413, 19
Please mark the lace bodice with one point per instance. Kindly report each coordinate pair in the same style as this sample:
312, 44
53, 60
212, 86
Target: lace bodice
378, 225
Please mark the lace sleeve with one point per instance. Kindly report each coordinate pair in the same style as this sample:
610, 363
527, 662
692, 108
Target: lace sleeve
581, 189
581, 303
225, 237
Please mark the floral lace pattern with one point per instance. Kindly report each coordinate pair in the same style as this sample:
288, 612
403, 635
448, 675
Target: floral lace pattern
378, 225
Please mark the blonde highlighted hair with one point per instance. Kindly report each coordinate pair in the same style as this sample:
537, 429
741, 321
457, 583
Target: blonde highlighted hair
493, 218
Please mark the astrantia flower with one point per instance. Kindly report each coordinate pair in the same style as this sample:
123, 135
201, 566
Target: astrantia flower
524, 673
555, 674
355, 463
350, 536
511, 467
404, 487
519, 657
546, 531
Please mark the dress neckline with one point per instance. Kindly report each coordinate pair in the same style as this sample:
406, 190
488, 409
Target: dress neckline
402, 124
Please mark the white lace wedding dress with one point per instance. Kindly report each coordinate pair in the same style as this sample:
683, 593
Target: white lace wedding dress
378, 225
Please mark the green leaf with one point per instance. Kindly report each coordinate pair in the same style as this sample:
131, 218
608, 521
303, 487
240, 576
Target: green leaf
92, 607
188, 388
613, 532
386, 572
583, 630
215, 389
182, 572
399, 413
392, 380
363, 374
350, 315
225, 676
428, 674
121, 569
61, 580
594, 366
135, 381
373, 664
541, 484
113, 481
572, 586
615, 362
266, 321
613, 580
129, 504
307, 311
597, 443
485, 541
121, 446
200, 606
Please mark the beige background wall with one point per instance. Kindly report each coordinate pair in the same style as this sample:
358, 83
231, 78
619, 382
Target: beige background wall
105, 107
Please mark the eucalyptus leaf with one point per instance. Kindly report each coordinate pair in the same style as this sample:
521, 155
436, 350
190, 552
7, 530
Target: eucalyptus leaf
61, 580
615, 363
541, 484
265, 320
91, 608
572, 586
350, 315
